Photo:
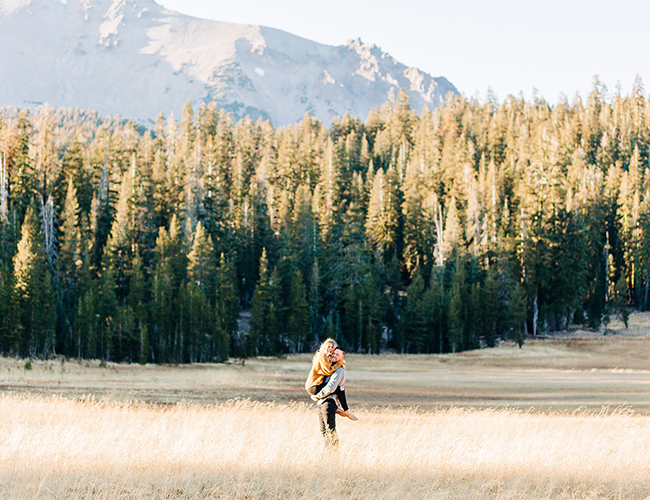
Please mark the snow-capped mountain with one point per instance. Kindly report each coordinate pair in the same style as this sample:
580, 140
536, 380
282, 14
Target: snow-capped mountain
135, 58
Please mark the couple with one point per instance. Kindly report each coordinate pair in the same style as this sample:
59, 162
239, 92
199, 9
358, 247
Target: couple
326, 385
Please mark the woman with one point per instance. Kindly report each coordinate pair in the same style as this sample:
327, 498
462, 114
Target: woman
321, 366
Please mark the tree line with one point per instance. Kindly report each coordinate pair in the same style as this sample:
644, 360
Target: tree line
204, 238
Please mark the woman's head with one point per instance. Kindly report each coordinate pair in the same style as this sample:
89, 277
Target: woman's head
328, 346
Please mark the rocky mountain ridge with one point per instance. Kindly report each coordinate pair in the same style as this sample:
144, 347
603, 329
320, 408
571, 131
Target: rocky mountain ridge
136, 59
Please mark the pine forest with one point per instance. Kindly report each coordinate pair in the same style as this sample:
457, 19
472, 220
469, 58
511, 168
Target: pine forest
205, 239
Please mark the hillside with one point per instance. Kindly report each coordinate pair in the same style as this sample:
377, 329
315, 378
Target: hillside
135, 58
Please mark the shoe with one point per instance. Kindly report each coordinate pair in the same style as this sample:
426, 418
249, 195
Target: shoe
348, 414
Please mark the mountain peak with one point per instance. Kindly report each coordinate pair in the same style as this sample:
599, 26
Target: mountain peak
136, 59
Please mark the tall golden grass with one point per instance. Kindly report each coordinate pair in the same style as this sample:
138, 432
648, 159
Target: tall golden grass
53, 447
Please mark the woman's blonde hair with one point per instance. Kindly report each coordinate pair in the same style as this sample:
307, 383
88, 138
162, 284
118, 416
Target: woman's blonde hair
324, 346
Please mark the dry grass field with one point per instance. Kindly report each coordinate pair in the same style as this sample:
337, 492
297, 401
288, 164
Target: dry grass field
561, 418
60, 448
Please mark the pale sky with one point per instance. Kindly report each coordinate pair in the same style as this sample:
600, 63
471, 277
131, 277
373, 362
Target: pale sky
512, 46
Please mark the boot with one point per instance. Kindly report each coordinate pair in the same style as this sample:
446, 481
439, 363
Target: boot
347, 413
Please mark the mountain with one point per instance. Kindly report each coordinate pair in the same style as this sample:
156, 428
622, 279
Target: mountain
135, 58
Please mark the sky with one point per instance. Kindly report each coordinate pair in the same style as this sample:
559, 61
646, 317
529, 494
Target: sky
542, 47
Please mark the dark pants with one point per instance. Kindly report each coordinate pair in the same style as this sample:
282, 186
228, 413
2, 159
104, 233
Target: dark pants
327, 420
327, 413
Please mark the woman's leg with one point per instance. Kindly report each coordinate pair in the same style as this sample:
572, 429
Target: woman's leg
315, 389
332, 383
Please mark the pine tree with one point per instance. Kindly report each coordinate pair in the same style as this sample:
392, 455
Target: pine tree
120, 245
170, 269
10, 324
101, 214
197, 324
226, 337
20, 168
140, 349
86, 326
298, 323
68, 266
263, 327
280, 296
33, 291
201, 262
413, 322
620, 300
163, 313
452, 236
490, 306
436, 303
315, 318
383, 220
516, 314
106, 309
456, 314
123, 335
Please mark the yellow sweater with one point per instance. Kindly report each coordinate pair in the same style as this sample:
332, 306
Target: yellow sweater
321, 367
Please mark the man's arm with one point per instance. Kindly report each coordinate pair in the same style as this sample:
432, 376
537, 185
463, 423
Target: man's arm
336, 380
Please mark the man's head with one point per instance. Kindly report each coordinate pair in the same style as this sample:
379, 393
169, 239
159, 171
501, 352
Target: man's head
337, 355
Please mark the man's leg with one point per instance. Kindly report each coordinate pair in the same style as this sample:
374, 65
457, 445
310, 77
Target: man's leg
340, 394
327, 419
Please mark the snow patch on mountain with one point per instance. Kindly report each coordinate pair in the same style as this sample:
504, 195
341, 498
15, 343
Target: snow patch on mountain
136, 59
8, 7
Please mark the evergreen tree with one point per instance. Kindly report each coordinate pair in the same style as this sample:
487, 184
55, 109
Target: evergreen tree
20, 168
10, 321
106, 310
33, 291
226, 338
620, 300
68, 267
86, 326
201, 262
413, 322
263, 327
516, 314
456, 314
139, 349
491, 308
298, 324
197, 324
436, 303
163, 328
383, 213
120, 244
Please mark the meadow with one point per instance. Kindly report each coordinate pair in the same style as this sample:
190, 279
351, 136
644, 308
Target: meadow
561, 418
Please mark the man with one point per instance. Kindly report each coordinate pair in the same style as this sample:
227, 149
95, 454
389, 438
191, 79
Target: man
328, 399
